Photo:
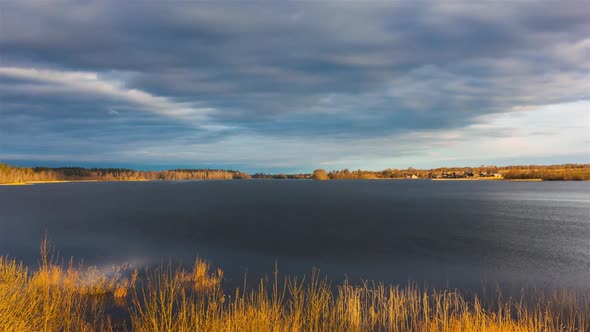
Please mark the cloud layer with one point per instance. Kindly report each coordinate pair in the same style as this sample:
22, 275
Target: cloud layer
238, 83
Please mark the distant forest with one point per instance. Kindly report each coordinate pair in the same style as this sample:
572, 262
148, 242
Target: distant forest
568, 172
11, 174
565, 172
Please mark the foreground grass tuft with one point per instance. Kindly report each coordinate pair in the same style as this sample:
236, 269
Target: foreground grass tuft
58, 298
53, 298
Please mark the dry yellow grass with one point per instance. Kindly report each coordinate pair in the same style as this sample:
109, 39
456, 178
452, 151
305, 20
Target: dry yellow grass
312, 305
54, 298
200, 278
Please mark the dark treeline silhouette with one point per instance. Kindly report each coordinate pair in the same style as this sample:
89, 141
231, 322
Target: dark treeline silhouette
11, 174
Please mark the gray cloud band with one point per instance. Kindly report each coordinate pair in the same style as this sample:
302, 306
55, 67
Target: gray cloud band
207, 71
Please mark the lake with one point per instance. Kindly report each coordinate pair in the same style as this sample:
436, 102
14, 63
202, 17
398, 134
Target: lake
444, 233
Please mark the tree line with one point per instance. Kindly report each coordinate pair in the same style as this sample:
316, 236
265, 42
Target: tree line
565, 172
13, 174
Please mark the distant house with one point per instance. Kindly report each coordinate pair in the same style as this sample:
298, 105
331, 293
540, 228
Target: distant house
414, 176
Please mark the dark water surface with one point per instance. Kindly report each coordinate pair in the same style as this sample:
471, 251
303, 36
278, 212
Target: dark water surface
445, 233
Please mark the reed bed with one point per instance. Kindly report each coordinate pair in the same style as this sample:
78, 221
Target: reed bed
54, 298
312, 305
59, 298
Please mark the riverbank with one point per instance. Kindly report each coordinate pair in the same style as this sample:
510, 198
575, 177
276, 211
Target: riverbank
28, 183
536, 180
470, 179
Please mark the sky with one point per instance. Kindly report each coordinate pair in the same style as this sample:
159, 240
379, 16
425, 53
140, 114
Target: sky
291, 86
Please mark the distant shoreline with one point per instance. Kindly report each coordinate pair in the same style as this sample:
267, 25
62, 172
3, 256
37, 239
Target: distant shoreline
18, 176
30, 183
475, 179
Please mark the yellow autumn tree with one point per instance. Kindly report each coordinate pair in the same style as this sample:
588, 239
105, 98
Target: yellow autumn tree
320, 174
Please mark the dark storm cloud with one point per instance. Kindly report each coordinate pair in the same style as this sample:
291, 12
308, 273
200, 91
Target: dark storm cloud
198, 72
